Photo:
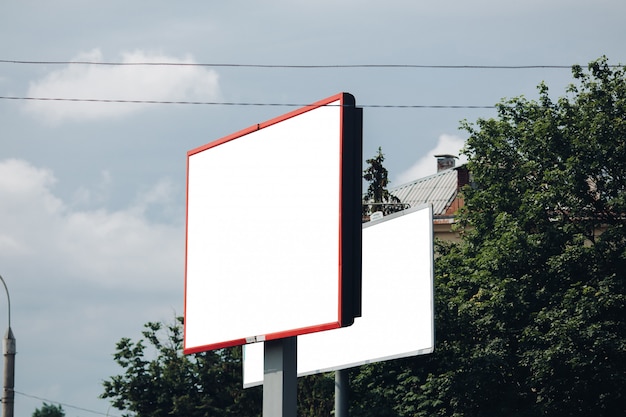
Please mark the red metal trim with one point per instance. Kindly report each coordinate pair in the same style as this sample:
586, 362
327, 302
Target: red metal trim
340, 208
214, 346
269, 336
267, 123
186, 250
303, 330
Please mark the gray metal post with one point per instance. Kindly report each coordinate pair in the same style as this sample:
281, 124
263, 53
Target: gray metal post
342, 393
280, 378
8, 394
8, 349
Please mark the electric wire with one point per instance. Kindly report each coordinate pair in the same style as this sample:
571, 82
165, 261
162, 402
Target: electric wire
226, 103
64, 404
287, 66
284, 66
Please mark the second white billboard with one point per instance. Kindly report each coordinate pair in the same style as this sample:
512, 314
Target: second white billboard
397, 317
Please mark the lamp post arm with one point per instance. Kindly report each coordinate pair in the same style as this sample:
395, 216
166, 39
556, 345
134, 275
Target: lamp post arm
8, 298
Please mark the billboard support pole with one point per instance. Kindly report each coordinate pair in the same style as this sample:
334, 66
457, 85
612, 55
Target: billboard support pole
342, 392
280, 378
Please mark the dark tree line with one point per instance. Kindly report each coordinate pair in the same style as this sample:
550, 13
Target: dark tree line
530, 306
159, 381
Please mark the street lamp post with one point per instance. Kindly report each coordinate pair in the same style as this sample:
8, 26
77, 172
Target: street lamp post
8, 349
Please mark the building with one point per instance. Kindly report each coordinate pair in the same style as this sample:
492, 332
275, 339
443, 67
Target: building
441, 190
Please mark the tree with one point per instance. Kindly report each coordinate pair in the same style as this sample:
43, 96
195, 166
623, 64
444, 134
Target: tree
203, 384
546, 252
530, 305
377, 197
159, 381
49, 410
316, 395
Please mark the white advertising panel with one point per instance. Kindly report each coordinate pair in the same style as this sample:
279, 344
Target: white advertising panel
265, 219
397, 311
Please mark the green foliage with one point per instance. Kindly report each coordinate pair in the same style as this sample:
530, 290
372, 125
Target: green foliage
375, 389
316, 395
547, 250
170, 383
377, 197
530, 305
159, 381
49, 410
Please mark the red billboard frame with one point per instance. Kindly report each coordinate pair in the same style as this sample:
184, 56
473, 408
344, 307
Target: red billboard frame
348, 225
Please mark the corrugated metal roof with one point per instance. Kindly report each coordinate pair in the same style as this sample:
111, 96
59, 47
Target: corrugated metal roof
439, 190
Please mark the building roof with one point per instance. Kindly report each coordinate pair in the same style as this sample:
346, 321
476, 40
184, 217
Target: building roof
439, 189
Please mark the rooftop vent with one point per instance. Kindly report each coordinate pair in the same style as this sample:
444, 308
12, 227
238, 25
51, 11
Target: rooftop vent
445, 162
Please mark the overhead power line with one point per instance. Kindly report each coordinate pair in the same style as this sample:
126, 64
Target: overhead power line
64, 404
227, 103
290, 66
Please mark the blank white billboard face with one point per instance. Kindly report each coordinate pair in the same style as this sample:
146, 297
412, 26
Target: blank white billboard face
264, 224
397, 317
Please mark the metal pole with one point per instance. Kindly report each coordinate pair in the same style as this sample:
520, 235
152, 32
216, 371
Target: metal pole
342, 393
8, 349
8, 394
280, 378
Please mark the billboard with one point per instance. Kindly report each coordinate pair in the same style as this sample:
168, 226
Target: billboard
397, 316
274, 228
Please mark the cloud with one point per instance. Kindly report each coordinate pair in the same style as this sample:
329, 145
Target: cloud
80, 279
112, 249
88, 196
104, 82
426, 165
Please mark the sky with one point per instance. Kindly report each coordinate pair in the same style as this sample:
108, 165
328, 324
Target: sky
92, 194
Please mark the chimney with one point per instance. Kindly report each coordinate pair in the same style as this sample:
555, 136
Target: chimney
445, 162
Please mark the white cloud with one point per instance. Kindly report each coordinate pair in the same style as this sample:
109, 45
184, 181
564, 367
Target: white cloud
426, 165
114, 249
98, 195
126, 82
162, 193
80, 279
